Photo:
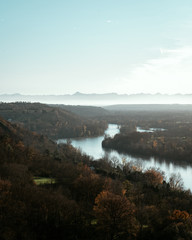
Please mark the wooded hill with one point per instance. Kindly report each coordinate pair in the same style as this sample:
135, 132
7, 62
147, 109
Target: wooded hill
51, 121
84, 111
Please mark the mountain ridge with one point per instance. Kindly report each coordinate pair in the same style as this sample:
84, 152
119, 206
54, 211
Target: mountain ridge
100, 99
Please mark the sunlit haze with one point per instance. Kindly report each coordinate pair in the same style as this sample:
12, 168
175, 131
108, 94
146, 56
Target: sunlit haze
103, 46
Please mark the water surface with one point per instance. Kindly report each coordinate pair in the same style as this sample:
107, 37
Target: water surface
92, 146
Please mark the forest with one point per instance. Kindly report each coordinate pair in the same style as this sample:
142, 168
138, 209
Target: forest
51, 121
50, 191
171, 139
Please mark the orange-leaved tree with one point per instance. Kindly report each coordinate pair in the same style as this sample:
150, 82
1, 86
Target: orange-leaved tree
179, 226
115, 215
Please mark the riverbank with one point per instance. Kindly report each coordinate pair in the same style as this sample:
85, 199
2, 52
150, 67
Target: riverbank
93, 148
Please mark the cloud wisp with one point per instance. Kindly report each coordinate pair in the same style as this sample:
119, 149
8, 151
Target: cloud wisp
170, 73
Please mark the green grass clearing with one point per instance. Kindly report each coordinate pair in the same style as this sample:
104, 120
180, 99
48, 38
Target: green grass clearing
42, 180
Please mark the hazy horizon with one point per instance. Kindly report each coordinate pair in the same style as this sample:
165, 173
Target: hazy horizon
104, 46
100, 99
96, 93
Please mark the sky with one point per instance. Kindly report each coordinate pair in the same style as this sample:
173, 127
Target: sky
103, 46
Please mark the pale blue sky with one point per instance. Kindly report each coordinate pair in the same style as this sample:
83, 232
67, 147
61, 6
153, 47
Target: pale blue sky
123, 46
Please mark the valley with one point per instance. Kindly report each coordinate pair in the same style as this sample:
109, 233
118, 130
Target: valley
57, 191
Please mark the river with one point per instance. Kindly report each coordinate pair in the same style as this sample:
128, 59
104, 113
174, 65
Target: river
92, 146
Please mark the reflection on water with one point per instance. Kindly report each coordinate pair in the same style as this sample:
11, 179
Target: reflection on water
139, 129
92, 147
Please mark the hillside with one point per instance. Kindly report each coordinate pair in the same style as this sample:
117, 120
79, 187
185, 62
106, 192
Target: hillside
21, 146
51, 121
84, 111
14, 136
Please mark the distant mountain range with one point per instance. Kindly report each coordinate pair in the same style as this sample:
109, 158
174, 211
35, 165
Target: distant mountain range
100, 99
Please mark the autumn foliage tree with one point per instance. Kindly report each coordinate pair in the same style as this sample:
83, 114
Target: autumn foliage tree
115, 215
179, 226
87, 185
153, 177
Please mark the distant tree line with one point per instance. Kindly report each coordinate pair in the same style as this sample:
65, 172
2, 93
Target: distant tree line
173, 143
